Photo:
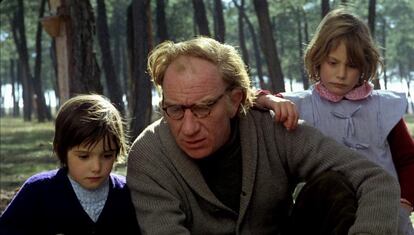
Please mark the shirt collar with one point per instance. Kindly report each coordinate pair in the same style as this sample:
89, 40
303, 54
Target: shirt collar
358, 93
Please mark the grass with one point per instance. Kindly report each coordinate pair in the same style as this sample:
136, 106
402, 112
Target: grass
409, 119
26, 149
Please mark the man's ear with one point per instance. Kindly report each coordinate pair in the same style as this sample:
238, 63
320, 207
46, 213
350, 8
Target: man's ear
236, 97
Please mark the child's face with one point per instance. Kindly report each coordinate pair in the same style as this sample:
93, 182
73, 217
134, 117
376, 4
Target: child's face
337, 75
90, 167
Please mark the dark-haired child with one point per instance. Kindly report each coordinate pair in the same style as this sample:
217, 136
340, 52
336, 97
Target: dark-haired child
83, 196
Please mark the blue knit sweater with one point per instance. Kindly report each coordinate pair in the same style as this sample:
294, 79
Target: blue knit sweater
47, 204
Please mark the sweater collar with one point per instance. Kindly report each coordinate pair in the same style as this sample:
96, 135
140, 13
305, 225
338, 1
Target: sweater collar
358, 93
228, 150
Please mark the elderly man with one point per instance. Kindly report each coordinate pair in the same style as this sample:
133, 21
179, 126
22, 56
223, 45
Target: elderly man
211, 165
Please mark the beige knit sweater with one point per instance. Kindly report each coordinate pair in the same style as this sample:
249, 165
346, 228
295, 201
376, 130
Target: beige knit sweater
171, 196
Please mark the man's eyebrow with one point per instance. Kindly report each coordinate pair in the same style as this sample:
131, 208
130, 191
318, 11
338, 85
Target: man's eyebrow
202, 102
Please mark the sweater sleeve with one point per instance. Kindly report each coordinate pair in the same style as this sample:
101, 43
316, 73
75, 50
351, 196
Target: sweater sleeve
402, 150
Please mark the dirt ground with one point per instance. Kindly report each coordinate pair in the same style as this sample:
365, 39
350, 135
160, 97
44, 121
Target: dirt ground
5, 198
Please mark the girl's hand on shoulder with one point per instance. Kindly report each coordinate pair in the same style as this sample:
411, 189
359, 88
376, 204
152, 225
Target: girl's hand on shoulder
406, 204
285, 110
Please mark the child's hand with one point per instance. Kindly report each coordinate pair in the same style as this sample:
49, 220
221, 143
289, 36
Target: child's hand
406, 204
285, 110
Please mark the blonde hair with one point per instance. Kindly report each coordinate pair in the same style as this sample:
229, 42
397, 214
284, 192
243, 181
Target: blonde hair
225, 57
338, 26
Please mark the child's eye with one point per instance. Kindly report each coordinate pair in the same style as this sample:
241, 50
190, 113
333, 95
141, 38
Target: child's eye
332, 62
109, 156
83, 157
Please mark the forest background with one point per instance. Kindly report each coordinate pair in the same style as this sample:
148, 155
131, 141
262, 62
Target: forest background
103, 47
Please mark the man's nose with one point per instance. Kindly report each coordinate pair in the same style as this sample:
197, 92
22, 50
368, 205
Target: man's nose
190, 123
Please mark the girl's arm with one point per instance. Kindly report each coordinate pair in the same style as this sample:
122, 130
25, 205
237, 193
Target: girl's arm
402, 150
285, 110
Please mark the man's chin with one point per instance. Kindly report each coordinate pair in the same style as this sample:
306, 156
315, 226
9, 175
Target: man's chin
197, 153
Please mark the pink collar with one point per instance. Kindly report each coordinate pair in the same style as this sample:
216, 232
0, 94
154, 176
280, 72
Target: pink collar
358, 93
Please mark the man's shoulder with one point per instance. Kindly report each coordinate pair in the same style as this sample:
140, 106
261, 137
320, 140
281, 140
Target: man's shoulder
153, 128
151, 142
151, 132
263, 119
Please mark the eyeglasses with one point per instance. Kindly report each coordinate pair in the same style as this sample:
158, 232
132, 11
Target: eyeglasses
176, 112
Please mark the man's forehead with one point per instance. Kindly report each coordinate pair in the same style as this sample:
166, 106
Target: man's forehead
180, 64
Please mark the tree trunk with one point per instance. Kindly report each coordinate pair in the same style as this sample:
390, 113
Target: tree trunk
14, 83
269, 46
19, 36
55, 70
2, 106
302, 73
242, 41
324, 8
43, 113
201, 17
112, 81
19, 83
219, 26
84, 72
162, 31
256, 48
371, 24
141, 41
125, 71
384, 51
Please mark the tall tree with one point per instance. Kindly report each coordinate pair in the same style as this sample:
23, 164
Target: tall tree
112, 81
2, 107
19, 36
371, 16
15, 84
55, 81
242, 41
219, 26
43, 113
299, 16
83, 67
324, 8
140, 43
371, 24
256, 47
269, 46
162, 30
383, 49
118, 34
201, 17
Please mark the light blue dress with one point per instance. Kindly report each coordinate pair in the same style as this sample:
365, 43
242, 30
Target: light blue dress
362, 125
